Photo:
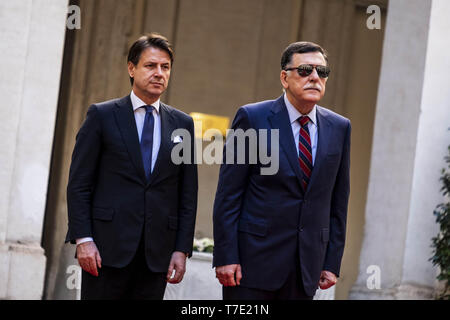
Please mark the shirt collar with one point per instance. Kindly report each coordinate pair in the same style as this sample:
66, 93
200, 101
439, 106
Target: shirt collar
294, 114
137, 102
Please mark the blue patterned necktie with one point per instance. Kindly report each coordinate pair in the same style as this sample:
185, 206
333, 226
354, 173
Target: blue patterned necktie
147, 140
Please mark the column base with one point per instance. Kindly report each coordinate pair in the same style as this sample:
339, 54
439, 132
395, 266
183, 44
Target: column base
401, 292
22, 271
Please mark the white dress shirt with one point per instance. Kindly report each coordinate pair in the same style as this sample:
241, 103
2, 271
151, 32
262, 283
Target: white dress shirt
139, 116
294, 114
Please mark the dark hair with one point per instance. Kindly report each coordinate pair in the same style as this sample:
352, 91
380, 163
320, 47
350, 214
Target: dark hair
301, 47
154, 40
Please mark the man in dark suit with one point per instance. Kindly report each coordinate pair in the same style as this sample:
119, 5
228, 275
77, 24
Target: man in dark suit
131, 208
281, 236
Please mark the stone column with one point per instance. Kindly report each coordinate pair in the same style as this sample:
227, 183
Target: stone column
31, 50
410, 141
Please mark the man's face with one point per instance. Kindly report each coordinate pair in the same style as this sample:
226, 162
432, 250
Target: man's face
151, 74
304, 91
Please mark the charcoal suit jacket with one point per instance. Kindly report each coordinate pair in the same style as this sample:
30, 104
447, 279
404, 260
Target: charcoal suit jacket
110, 199
266, 222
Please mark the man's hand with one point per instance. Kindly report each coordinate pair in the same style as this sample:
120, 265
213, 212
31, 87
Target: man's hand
177, 263
89, 257
226, 275
327, 280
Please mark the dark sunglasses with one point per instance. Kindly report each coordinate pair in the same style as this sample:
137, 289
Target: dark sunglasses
305, 70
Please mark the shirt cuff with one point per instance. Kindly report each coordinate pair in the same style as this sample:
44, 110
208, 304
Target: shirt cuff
83, 240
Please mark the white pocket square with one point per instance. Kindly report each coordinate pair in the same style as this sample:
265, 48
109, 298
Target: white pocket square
177, 139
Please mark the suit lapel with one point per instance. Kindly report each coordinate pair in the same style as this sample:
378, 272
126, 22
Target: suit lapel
280, 120
127, 125
324, 136
167, 127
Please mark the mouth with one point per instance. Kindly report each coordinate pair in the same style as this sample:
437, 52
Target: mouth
316, 89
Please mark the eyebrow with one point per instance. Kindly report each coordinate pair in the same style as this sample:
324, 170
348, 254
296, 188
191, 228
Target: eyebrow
156, 62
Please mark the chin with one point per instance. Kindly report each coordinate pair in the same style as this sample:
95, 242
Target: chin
312, 100
314, 97
155, 92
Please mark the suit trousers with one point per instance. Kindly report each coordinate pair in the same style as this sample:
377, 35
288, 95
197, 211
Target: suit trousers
135, 281
292, 289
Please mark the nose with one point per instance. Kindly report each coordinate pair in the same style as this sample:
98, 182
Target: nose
158, 71
314, 75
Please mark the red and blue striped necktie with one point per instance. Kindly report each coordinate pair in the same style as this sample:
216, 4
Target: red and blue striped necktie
305, 153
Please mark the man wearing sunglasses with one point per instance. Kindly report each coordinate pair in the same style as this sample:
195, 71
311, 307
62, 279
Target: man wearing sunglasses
282, 236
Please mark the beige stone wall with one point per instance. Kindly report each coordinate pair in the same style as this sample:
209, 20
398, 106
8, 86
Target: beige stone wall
31, 47
227, 53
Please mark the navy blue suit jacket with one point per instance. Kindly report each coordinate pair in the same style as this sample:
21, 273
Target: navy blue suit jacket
265, 222
110, 199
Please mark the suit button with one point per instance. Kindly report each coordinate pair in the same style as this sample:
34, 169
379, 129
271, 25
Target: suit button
300, 229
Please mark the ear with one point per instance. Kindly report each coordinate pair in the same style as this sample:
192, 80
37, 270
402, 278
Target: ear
283, 76
131, 68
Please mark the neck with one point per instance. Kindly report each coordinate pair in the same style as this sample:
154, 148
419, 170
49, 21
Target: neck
144, 96
304, 107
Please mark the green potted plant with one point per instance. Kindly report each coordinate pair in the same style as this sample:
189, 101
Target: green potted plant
441, 243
